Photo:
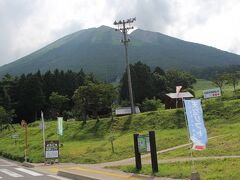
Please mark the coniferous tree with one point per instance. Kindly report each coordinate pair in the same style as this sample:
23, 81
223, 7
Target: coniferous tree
142, 83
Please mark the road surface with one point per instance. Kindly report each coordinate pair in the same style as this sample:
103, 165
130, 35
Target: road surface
10, 170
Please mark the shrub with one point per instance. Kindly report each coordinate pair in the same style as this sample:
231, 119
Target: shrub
150, 105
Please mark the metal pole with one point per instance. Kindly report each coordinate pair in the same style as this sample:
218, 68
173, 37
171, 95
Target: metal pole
43, 132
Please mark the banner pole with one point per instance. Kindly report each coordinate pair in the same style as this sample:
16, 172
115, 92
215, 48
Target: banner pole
43, 132
190, 143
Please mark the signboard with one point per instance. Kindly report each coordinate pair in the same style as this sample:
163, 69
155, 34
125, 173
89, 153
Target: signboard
23, 124
210, 93
52, 149
197, 130
60, 126
143, 143
15, 136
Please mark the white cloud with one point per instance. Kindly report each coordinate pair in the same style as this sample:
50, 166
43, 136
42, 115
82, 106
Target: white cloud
28, 25
215, 23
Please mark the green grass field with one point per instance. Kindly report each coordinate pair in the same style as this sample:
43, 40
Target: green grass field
89, 143
203, 84
226, 169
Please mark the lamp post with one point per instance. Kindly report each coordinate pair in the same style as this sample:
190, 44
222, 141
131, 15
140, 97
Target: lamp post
124, 27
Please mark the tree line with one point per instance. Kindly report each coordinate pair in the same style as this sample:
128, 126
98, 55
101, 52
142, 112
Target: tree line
211, 72
80, 95
147, 83
28, 94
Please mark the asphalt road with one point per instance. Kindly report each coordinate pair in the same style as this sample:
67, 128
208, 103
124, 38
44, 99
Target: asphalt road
10, 170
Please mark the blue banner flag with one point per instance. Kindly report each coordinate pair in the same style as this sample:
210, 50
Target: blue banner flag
197, 130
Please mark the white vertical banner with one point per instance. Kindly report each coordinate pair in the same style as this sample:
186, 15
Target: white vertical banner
60, 126
42, 122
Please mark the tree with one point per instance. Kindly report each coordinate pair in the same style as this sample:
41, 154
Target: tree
151, 104
31, 97
177, 77
219, 80
159, 85
233, 79
57, 101
8, 92
141, 83
5, 118
93, 97
159, 71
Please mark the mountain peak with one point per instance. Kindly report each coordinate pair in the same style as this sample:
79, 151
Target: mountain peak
98, 50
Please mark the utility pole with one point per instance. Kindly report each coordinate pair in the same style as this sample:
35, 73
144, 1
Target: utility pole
124, 27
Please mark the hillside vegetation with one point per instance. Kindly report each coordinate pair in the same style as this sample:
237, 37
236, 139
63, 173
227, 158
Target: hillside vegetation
90, 143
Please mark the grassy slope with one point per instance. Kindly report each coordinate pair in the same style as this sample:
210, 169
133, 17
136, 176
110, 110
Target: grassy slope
222, 118
90, 144
226, 169
203, 84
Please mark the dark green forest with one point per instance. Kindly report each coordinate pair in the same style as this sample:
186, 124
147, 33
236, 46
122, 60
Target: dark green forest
213, 71
80, 95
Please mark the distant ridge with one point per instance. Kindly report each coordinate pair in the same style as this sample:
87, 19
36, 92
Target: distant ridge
98, 50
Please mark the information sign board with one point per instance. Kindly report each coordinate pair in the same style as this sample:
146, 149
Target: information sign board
210, 93
143, 143
52, 149
15, 136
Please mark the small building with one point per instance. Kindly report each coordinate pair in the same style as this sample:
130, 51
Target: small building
122, 111
173, 101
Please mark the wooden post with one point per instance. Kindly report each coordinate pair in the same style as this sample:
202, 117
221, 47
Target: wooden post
153, 151
26, 143
137, 153
24, 125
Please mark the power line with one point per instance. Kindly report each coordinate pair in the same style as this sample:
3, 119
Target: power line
124, 26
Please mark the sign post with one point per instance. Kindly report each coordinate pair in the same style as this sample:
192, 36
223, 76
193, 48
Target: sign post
137, 153
51, 150
153, 152
145, 143
15, 137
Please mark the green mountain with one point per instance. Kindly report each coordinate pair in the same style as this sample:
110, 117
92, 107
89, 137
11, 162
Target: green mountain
99, 50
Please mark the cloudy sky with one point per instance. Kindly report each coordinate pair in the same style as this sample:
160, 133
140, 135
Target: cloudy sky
27, 25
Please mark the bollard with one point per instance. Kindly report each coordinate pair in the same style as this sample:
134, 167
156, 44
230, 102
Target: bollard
195, 176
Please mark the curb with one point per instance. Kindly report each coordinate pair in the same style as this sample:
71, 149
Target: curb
26, 164
75, 176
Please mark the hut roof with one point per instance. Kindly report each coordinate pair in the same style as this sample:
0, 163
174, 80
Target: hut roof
180, 95
125, 110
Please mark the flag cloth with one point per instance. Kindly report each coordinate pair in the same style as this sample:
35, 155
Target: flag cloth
178, 89
42, 123
197, 130
60, 126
